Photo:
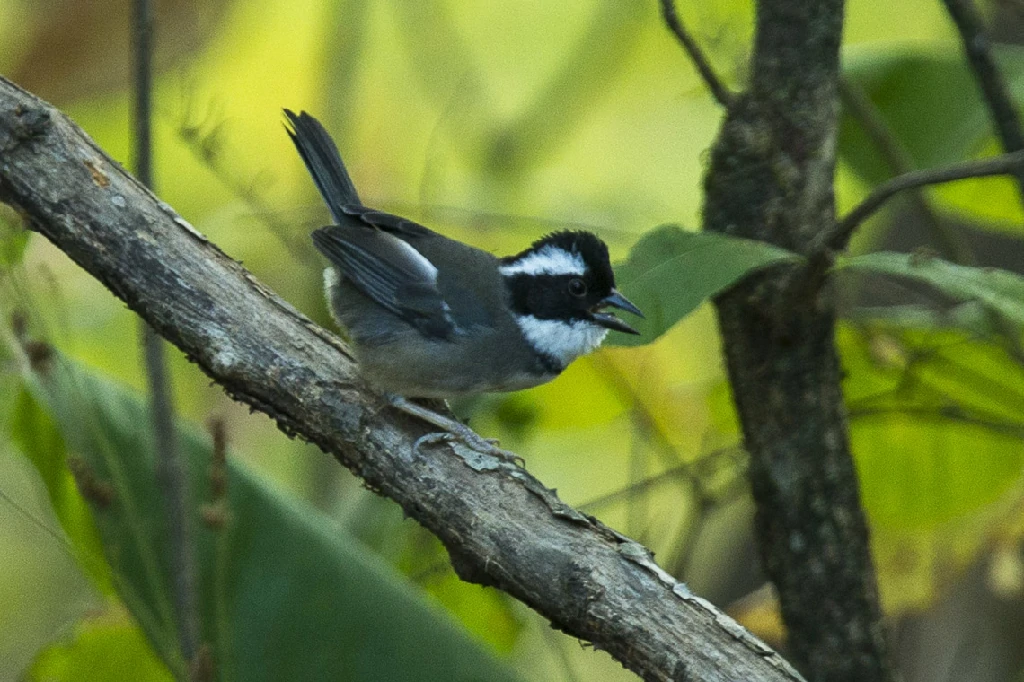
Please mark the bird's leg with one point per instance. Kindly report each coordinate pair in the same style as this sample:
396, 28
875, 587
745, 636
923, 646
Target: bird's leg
455, 430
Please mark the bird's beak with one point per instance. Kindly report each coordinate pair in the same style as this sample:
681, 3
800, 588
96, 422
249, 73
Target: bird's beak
615, 300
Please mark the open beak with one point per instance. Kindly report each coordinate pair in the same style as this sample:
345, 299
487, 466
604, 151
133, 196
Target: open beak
615, 300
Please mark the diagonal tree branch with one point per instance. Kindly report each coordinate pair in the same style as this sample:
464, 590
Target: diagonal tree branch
502, 527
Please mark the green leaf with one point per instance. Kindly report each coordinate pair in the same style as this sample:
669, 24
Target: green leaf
38, 437
42, 587
107, 650
1000, 292
992, 203
13, 243
34, 431
283, 593
670, 272
969, 316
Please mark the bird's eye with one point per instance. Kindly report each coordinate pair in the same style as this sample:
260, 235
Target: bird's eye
577, 287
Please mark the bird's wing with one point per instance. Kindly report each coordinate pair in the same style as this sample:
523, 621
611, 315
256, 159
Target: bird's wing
390, 272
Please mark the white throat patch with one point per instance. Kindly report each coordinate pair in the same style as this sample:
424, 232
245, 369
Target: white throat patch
550, 260
564, 341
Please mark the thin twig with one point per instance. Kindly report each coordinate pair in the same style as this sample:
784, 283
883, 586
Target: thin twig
1006, 164
637, 507
977, 48
682, 471
643, 417
951, 413
686, 472
718, 90
899, 161
171, 467
682, 557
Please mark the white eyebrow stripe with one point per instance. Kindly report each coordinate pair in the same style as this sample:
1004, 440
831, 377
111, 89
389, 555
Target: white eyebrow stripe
549, 260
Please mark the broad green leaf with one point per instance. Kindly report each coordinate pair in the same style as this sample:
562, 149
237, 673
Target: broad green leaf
993, 203
39, 439
931, 474
1000, 292
670, 272
918, 472
969, 315
35, 433
42, 587
102, 650
283, 593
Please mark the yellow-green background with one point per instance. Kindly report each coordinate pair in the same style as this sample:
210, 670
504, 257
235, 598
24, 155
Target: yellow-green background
493, 122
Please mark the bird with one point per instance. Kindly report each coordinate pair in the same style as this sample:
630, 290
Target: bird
431, 317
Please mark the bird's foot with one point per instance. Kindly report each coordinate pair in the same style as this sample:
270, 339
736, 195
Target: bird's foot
453, 430
431, 439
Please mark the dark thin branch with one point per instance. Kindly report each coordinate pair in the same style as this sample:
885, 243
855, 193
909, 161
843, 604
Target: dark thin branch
142, 33
1007, 164
500, 525
171, 467
899, 162
687, 472
942, 414
977, 48
718, 90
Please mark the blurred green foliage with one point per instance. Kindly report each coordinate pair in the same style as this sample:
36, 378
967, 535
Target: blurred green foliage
272, 576
494, 127
107, 649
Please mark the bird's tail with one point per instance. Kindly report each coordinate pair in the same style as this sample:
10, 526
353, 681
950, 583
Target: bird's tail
322, 159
